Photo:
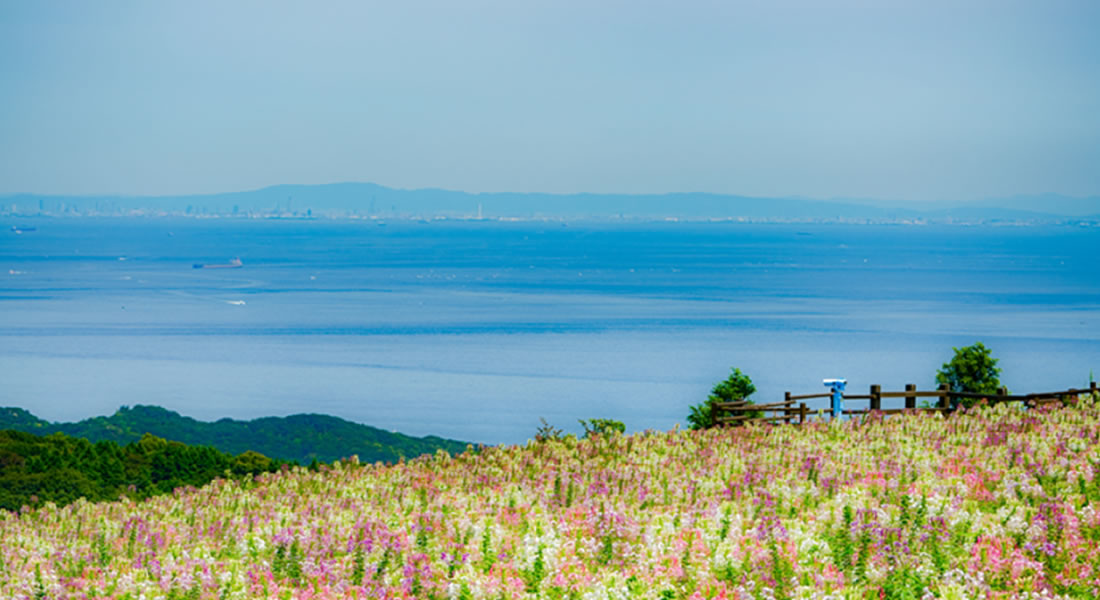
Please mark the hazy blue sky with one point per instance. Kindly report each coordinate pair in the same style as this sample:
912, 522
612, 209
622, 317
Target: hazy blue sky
923, 100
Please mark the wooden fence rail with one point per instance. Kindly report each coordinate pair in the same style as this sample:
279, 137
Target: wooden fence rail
807, 396
787, 411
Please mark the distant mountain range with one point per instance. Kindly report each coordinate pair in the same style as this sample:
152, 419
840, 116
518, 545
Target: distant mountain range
372, 200
297, 437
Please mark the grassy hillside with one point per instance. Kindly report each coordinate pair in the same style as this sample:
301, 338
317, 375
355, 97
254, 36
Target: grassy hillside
995, 503
297, 437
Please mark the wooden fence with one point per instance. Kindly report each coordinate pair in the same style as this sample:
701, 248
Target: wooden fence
793, 408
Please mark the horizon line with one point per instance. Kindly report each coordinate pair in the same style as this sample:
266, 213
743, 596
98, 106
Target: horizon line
832, 198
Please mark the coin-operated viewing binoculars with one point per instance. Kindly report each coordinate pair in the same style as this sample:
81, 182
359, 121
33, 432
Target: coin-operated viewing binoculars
837, 385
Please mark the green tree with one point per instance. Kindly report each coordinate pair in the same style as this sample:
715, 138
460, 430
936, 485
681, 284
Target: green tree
973, 369
737, 386
252, 463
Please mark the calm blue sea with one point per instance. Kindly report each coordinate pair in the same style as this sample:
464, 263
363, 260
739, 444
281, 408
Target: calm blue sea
475, 330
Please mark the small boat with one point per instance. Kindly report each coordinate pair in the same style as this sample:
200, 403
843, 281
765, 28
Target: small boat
233, 264
18, 229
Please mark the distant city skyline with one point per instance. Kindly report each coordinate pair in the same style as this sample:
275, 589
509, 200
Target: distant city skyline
930, 102
372, 201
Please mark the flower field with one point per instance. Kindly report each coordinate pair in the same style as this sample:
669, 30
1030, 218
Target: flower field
997, 503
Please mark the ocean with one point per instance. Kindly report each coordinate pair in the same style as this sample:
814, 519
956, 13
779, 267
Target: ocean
475, 330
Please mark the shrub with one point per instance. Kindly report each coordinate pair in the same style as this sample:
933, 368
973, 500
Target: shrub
547, 432
602, 427
737, 386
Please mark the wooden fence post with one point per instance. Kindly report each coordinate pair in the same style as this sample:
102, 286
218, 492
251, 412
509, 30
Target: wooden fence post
910, 401
801, 413
876, 397
787, 409
945, 399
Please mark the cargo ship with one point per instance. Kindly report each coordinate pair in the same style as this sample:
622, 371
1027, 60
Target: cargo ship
233, 264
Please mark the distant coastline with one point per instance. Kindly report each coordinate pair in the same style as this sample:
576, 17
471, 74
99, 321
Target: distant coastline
372, 203
1086, 222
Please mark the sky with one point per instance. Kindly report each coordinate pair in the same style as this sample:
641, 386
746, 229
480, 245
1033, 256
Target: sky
922, 101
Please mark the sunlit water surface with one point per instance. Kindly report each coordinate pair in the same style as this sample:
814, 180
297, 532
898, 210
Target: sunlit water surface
475, 330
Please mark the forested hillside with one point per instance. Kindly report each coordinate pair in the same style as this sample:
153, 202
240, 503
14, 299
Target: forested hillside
59, 468
297, 437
